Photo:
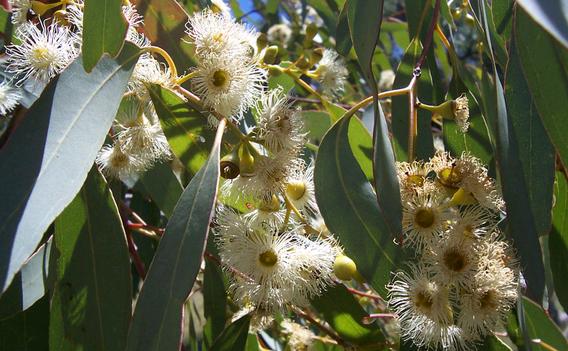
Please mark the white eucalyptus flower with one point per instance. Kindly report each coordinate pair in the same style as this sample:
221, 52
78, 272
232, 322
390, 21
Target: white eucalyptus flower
9, 97
228, 85
44, 52
331, 72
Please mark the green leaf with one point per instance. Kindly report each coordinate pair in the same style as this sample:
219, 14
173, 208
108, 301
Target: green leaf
558, 241
343, 38
520, 222
551, 15
156, 324
503, 17
350, 209
317, 123
234, 337
215, 300
92, 297
493, 343
51, 152
185, 127
535, 152
365, 18
163, 186
27, 330
415, 14
344, 314
29, 285
542, 64
541, 329
328, 12
424, 145
164, 25
104, 30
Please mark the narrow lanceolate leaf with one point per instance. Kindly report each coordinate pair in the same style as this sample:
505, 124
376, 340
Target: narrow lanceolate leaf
186, 128
92, 295
234, 337
535, 151
543, 333
558, 241
163, 186
29, 285
55, 145
104, 30
365, 18
27, 330
542, 63
156, 324
551, 15
349, 206
520, 221
345, 315
214, 301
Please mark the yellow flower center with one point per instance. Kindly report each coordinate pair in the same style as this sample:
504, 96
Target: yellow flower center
268, 258
41, 57
424, 218
423, 301
220, 79
450, 177
415, 180
296, 190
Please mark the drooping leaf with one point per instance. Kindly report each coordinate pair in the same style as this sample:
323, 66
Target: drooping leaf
56, 144
104, 30
215, 301
345, 315
558, 241
163, 186
185, 127
328, 11
343, 38
542, 64
29, 285
164, 25
520, 221
349, 206
156, 324
543, 333
365, 19
92, 298
551, 15
234, 337
27, 330
493, 343
535, 152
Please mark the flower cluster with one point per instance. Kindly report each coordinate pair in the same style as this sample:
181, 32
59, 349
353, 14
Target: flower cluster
464, 278
47, 46
276, 257
227, 78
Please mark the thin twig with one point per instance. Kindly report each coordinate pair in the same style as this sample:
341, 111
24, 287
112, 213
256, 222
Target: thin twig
324, 328
429, 36
364, 294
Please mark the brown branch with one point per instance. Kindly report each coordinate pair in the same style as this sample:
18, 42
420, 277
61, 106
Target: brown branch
429, 36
